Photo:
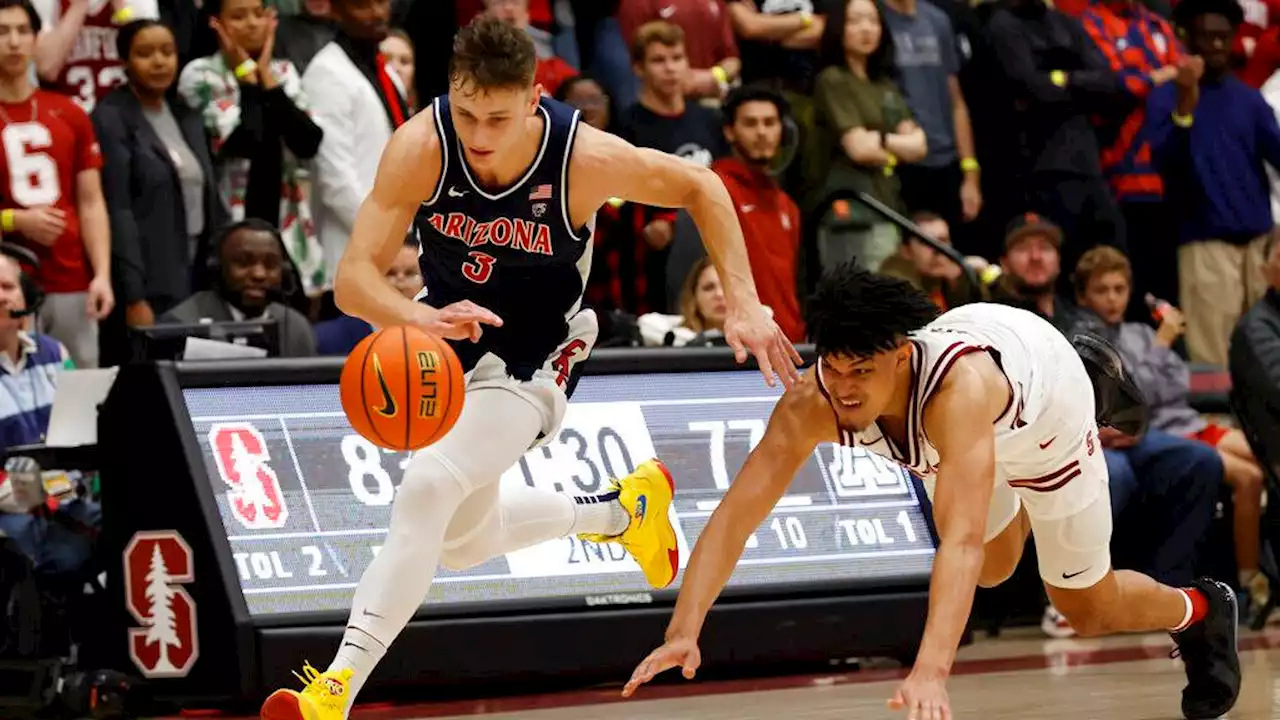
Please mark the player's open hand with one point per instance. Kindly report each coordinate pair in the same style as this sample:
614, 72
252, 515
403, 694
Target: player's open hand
923, 696
748, 327
460, 321
681, 651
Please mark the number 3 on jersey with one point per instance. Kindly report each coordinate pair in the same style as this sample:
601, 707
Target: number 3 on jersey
480, 268
89, 84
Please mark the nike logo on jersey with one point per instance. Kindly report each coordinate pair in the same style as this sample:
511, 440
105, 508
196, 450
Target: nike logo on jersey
1048, 442
388, 408
455, 192
524, 235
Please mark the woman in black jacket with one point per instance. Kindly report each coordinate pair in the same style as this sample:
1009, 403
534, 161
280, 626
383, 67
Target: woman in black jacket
159, 184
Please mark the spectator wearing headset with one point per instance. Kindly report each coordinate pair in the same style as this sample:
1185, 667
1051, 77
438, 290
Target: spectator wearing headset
29, 361
250, 272
56, 537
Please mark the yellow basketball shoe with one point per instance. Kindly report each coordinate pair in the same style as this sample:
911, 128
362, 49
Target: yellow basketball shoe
646, 496
323, 698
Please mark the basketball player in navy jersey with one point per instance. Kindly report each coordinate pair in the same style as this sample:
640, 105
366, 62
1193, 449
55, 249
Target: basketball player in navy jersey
994, 410
508, 184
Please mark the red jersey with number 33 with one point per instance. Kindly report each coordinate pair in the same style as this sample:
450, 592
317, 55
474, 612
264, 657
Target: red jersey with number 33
47, 141
92, 67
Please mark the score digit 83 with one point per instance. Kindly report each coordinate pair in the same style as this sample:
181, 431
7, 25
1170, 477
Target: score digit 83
364, 461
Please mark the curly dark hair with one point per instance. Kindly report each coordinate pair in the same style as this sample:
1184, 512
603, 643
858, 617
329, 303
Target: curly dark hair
491, 54
860, 313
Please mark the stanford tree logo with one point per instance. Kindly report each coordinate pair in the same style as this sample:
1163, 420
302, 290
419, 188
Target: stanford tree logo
156, 565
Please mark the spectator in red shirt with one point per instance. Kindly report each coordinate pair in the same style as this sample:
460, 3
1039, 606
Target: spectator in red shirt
708, 38
1257, 44
76, 47
53, 202
753, 126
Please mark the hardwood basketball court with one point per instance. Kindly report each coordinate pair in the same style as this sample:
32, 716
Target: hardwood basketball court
1019, 676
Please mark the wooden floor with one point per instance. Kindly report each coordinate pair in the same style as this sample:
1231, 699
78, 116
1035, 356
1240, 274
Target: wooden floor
1012, 678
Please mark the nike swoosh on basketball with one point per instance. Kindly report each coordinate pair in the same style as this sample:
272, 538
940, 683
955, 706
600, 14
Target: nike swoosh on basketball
1068, 576
1048, 442
388, 408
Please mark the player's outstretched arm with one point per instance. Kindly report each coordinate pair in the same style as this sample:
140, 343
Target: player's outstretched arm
959, 420
407, 175
788, 440
606, 166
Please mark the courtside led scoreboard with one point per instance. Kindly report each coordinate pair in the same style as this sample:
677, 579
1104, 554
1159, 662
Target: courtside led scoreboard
305, 502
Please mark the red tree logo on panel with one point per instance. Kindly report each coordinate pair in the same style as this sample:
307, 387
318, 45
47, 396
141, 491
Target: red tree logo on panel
240, 452
156, 565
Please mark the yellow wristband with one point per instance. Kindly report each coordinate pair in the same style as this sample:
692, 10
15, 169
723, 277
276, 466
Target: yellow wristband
720, 75
1059, 78
122, 16
6, 220
1183, 121
245, 69
968, 165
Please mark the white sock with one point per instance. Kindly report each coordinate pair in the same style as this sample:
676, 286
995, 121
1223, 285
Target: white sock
1186, 619
397, 580
470, 459
601, 514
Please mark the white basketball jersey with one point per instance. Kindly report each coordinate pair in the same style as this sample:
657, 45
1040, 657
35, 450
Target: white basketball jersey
1030, 352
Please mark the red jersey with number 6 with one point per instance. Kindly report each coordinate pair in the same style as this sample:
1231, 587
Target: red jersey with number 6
48, 141
93, 67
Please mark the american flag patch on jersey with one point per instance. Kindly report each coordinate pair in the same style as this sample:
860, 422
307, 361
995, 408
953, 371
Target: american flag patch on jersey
541, 192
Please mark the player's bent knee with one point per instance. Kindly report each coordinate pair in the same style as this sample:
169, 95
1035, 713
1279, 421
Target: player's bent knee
431, 485
467, 555
1001, 554
996, 568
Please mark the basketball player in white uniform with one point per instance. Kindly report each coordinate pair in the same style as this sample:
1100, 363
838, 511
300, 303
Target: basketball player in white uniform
994, 410
508, 183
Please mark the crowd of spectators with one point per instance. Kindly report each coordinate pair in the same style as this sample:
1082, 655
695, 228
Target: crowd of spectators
1105, 164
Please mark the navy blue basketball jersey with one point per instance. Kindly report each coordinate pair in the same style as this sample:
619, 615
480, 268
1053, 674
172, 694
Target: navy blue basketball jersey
513, 250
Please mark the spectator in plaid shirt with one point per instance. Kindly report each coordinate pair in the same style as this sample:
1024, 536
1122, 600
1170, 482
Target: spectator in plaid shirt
1143, 51
255, 114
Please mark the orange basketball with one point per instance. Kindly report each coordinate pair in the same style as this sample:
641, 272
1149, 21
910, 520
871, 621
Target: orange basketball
401, 388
